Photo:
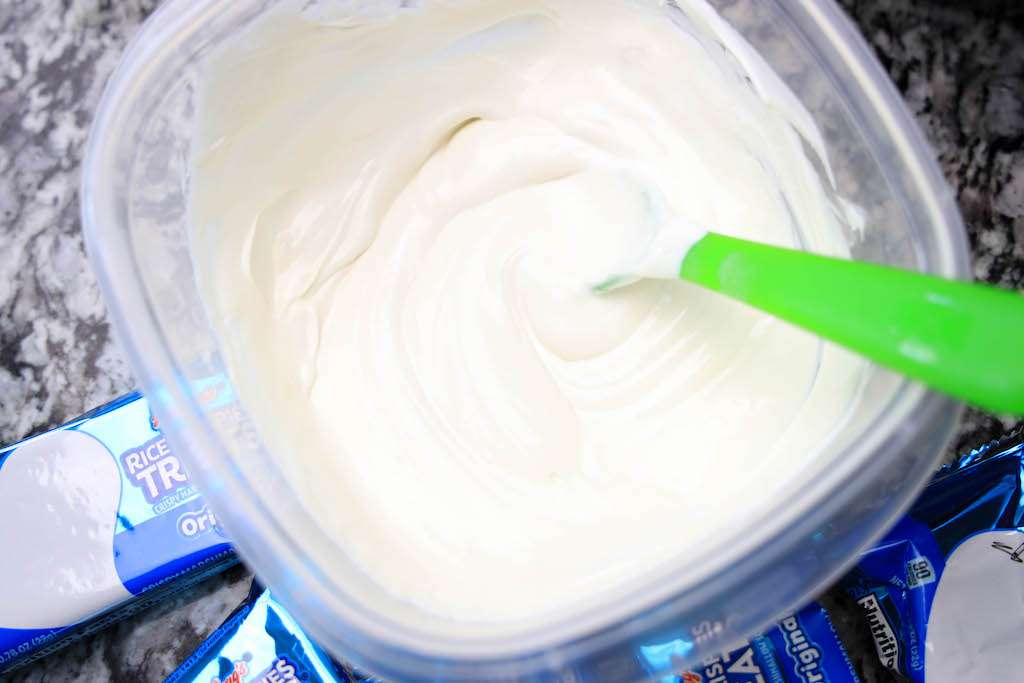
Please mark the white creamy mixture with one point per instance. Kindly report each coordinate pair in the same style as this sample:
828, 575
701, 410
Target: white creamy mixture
397, 218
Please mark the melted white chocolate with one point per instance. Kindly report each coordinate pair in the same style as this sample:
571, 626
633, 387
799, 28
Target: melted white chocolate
397, 220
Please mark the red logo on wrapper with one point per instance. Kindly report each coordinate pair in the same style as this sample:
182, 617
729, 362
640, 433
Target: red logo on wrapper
238, 675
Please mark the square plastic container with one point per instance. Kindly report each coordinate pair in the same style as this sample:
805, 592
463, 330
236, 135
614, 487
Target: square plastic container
134, 193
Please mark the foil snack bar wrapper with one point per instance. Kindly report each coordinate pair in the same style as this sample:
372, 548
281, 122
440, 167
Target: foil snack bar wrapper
943, 592
802, 648
101, 521
261, 643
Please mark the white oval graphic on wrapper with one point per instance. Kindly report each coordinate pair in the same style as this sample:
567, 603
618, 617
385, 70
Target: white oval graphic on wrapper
976, 624
61, 493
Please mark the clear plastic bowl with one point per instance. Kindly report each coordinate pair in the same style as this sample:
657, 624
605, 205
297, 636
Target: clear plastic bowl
133, 204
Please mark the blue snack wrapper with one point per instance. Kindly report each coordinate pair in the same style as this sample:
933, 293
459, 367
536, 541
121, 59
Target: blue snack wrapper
943, 592
100, 521
802, 648
260, 643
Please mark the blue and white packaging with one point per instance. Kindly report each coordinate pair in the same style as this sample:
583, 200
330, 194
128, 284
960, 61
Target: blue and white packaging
100, 521
260, 643
802, 648
943, 592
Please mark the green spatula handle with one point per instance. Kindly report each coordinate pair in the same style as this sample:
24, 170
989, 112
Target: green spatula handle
963, 339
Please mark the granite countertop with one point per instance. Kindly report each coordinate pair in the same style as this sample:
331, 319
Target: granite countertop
961, 72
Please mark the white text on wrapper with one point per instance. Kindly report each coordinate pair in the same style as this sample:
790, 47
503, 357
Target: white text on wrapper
154, 468
805, 654
193, 524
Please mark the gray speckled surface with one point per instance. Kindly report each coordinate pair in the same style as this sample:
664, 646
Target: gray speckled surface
57, 358
150, 645
961, 72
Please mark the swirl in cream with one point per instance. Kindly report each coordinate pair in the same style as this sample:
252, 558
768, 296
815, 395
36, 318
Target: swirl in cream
396, 222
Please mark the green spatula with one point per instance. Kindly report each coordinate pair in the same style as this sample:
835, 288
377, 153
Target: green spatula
963, 339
